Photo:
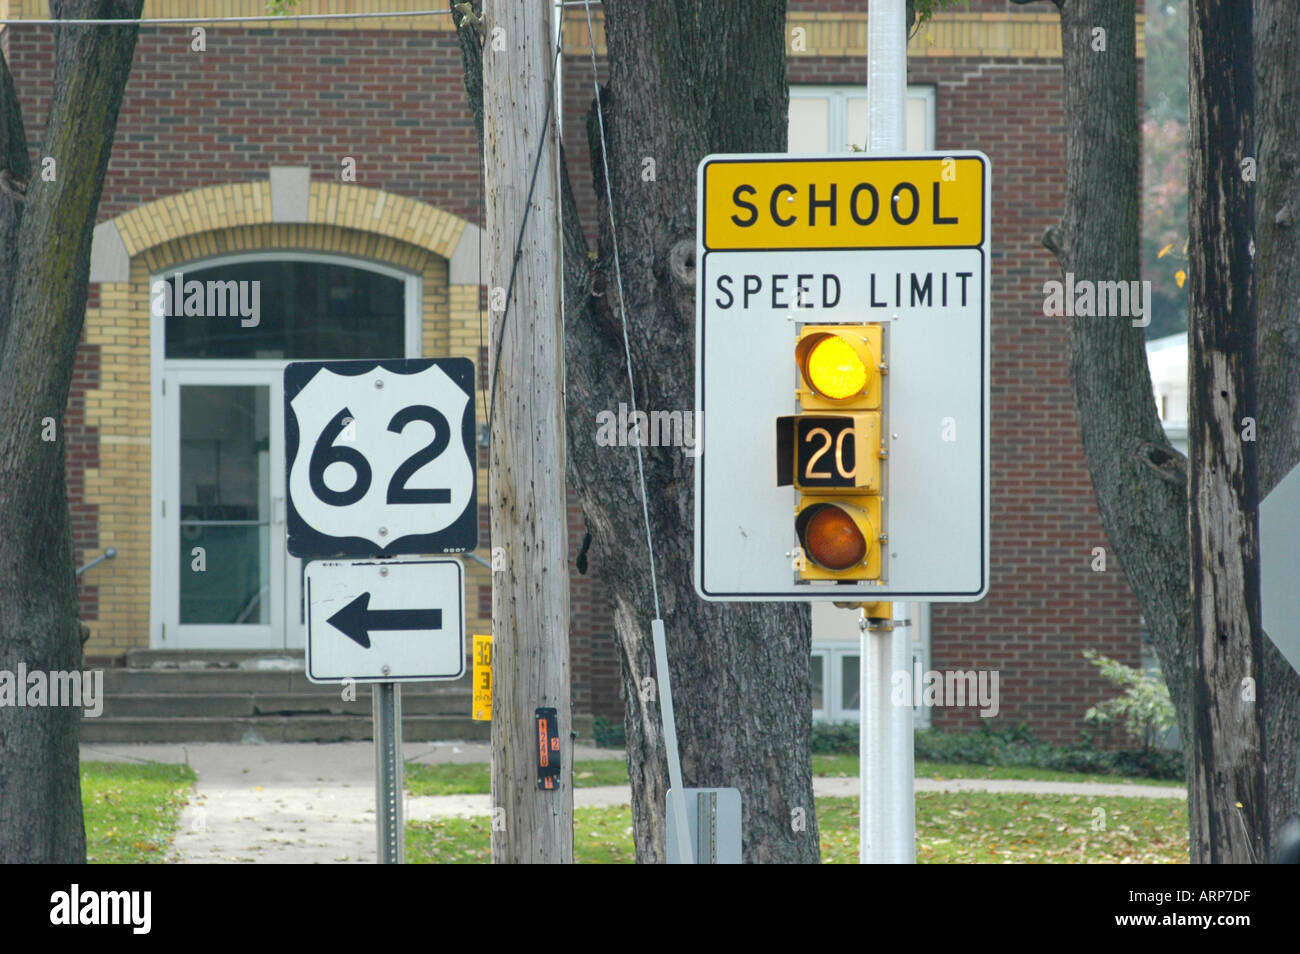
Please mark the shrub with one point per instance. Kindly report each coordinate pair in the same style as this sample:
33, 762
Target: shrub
1016, 745
608, 735
1144, 709
835, 738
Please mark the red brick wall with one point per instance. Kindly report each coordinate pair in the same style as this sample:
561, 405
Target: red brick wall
393, 100
1045, 603
81, 445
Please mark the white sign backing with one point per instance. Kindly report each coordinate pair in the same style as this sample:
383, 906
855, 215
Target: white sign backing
385, 621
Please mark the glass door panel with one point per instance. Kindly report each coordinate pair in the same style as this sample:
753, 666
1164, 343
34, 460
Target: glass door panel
225, 505
222, 526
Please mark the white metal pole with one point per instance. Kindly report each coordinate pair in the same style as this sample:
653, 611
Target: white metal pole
887, 825
886, 76
678, 793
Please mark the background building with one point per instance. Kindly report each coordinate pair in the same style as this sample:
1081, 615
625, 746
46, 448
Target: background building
230, 164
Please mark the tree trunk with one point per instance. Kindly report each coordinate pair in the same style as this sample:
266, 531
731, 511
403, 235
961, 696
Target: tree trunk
47, 252
1277, 276
530, 594
686, 78
1223, 514
1139, 479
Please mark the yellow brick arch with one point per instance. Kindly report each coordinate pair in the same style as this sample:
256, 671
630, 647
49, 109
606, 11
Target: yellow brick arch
328, 203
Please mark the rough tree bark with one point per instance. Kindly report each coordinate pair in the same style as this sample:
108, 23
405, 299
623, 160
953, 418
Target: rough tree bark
45, 261
1223, 492
1139, 479
686, 78
1277, 276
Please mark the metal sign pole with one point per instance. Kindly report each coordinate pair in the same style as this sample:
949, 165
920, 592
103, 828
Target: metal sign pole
678, 793
388, 773
885, 765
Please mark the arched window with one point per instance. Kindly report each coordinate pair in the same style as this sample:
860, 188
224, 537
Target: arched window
281, 308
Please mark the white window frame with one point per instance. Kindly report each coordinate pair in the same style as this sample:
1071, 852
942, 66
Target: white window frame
821, 652
838, 96
160, 366
835, 651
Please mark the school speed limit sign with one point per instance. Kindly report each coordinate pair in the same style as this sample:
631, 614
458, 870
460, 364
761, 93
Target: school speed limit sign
380, 457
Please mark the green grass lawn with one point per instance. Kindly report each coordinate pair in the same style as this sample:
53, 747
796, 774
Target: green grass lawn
847, 765
131, 809
476, 778
951, 828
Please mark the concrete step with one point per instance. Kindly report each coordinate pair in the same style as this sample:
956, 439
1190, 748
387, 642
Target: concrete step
215, 659
149, 705
122, 681
453, 703
325, 728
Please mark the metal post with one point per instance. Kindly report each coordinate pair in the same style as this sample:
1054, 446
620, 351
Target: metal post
886, 76
388, 773
887, 807
678, 794
902, 744
706, 828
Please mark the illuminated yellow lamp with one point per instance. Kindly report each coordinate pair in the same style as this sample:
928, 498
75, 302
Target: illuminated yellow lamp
836, 370
840, 365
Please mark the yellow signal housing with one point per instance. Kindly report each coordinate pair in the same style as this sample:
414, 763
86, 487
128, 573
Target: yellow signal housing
840, 538
840, 366
832, 452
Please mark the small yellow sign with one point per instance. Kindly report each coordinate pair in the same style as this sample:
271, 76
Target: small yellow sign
844, 203
482, 707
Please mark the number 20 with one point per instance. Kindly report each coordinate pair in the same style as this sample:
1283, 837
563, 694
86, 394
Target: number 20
809, 473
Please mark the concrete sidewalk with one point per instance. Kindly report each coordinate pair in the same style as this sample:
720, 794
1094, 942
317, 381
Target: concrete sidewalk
306, 803
465, 806
288, 803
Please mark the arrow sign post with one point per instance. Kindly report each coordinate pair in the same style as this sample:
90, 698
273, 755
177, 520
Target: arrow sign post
386, 622
379, 462
356, 620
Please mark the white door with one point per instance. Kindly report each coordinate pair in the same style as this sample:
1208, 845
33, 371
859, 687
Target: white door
228, 581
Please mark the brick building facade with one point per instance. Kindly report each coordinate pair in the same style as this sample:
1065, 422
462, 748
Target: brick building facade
235, 154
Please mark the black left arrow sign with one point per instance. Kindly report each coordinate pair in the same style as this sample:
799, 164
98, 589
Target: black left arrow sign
357, 620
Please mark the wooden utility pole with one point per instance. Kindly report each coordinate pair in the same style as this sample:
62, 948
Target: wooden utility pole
1229, 797
530, 591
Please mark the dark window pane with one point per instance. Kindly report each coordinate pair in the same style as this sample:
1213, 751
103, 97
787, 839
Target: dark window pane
233, 588
297, 310
815, 671
849, 683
